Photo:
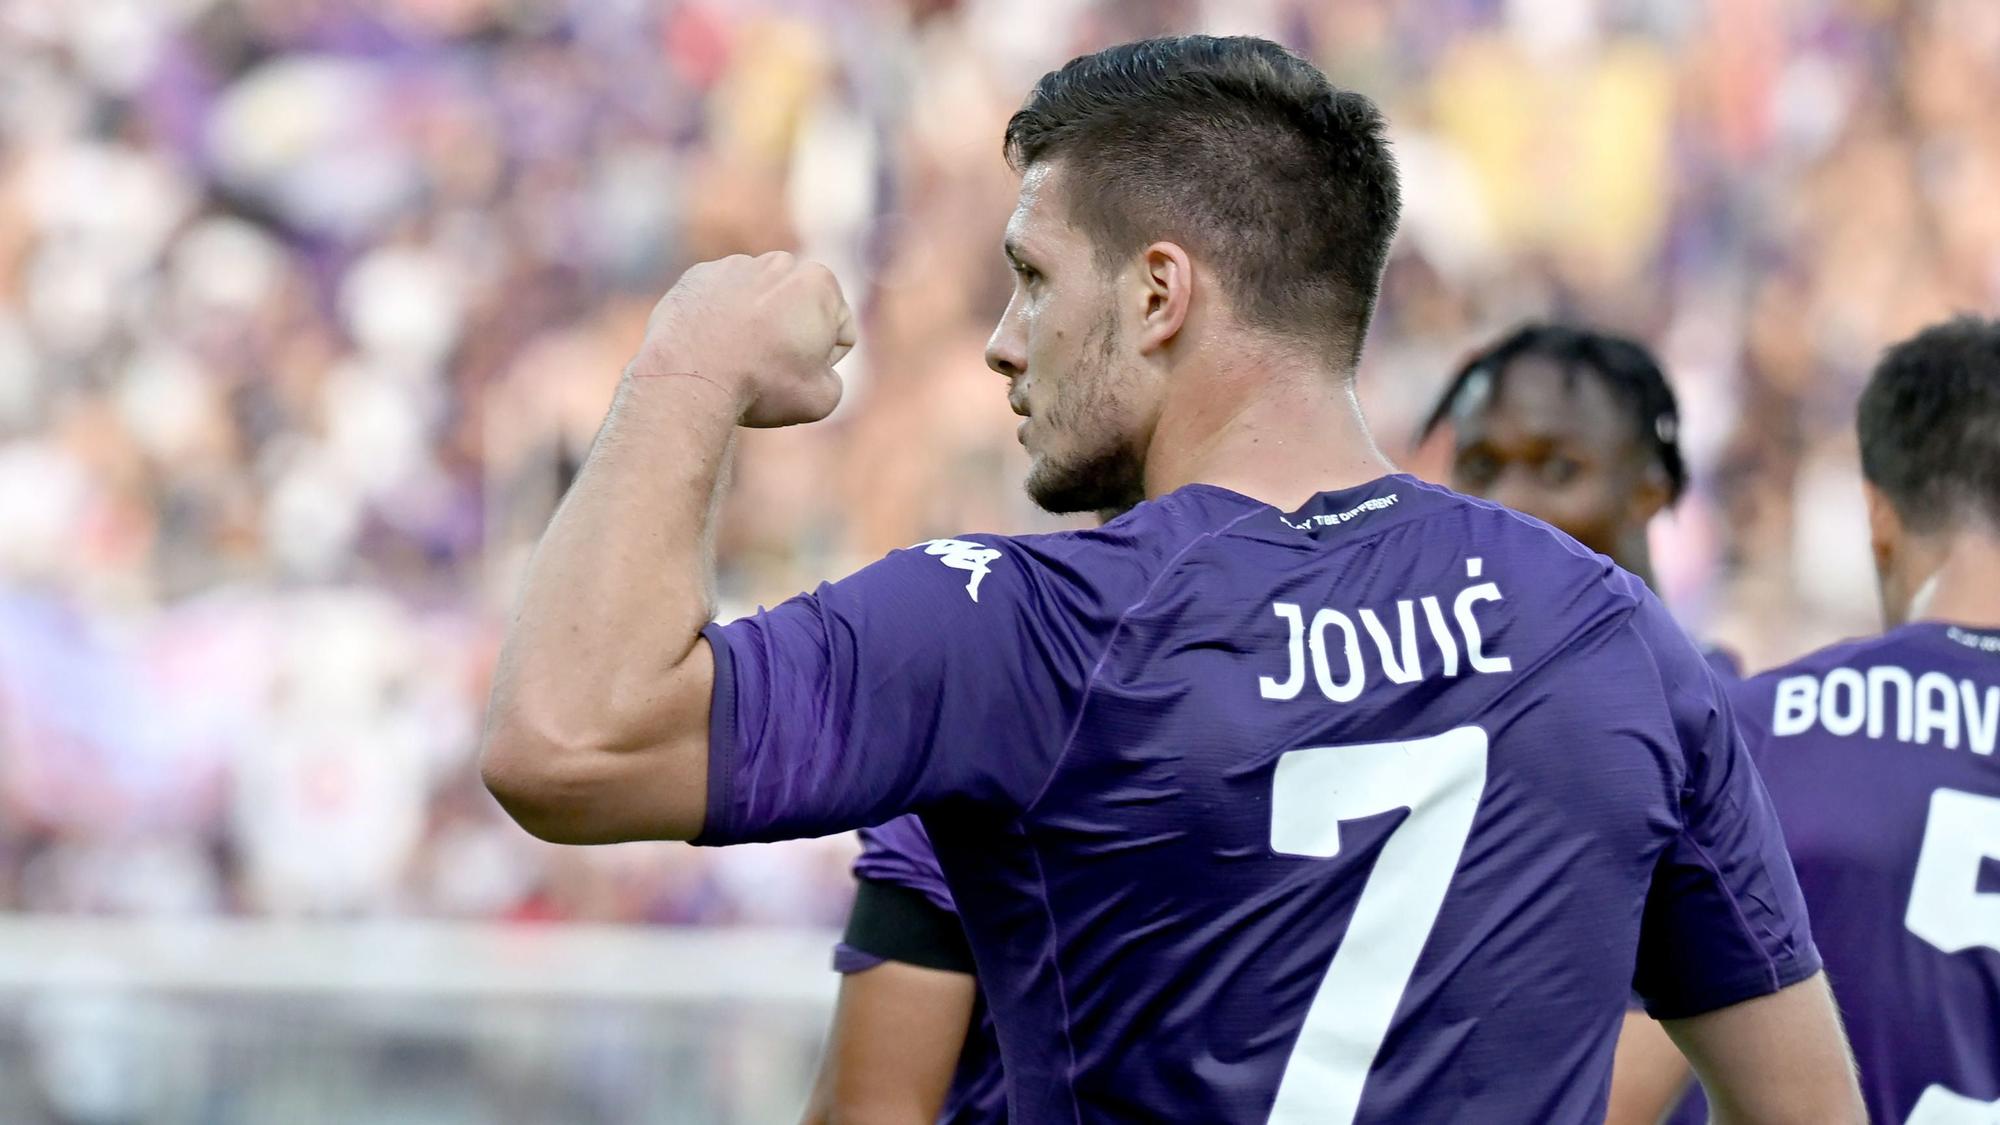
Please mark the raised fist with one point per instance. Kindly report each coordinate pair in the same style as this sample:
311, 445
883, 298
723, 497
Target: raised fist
767, 329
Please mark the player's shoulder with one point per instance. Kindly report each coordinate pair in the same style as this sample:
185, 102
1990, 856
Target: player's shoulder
1566, 564
1574, 590
1571, 582
1428, 521
903, 836
1723, 661
1110, 565
1408, 532
1755, 696
900, 853
1855, 652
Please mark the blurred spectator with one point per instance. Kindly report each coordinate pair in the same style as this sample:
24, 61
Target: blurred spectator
309, 311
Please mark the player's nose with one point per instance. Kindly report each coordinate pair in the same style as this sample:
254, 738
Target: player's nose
1005, 354
1509, 490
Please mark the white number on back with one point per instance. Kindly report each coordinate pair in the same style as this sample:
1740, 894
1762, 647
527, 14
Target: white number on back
1440, 780
1940, 1106
1947, 910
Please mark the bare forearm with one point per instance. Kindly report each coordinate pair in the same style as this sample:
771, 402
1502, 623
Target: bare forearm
1776, 1060
598, 729
623, 579
620, 587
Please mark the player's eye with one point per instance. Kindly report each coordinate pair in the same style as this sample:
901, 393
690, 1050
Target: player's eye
1027, 273
1477, 467
1561, 470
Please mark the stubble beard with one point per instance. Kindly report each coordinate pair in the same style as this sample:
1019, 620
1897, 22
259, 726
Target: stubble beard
1106, 471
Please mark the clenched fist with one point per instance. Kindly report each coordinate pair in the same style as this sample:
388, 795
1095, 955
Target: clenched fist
767, 329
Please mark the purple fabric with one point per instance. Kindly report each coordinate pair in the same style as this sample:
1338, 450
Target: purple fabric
847, 959
1091, 725
1723, 662
1693, 1106
1858, 810
900, 853
1692, 1110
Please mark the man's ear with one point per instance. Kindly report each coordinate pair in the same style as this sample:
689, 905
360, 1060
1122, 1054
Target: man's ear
1165, 294
1651, 497
1886, 532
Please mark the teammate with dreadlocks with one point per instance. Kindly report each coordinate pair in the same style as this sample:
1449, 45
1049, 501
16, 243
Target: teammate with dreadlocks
1580, 429
1577, 428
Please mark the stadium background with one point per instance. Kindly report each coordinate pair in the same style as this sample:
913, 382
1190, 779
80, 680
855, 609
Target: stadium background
307, 308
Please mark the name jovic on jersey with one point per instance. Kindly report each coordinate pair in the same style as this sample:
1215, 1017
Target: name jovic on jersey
1373, 811
1401, 661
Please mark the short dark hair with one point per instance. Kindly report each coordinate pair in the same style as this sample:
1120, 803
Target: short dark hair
1235, 147
1929, 423
1624, 366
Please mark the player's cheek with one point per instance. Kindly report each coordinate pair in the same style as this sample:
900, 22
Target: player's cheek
1512, 487
1575, 508
1599, 500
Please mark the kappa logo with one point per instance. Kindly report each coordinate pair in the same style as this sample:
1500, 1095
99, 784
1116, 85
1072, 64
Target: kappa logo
961, 555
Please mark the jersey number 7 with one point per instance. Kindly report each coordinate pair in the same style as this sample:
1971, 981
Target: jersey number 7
1440, 780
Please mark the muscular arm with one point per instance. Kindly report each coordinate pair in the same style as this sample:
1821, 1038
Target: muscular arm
603, 679
897, 1034
598, 726
1776, 1060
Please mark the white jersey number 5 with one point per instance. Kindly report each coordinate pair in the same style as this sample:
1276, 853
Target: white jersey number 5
1439, 780
1947, 910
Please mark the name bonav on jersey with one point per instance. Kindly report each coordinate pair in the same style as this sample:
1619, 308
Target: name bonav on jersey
1889, 701
1313, 642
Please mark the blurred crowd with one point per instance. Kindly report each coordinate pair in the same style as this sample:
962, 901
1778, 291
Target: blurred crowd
309, 308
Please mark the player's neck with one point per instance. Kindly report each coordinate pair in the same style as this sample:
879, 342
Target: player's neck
1965, 588
1274, 432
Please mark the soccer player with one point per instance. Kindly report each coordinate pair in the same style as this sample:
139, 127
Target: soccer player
1581, 429
1574, 427
1880, 754
1303, 792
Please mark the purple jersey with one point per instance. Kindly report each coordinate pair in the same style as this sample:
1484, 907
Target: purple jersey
1693, 1106
900, 853
1880, 756
1372, 811
1723, 662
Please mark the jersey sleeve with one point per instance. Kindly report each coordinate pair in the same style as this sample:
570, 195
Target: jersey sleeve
1723, 662
900, 853
1724, 921
903, 911
1751, 700
947, 672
